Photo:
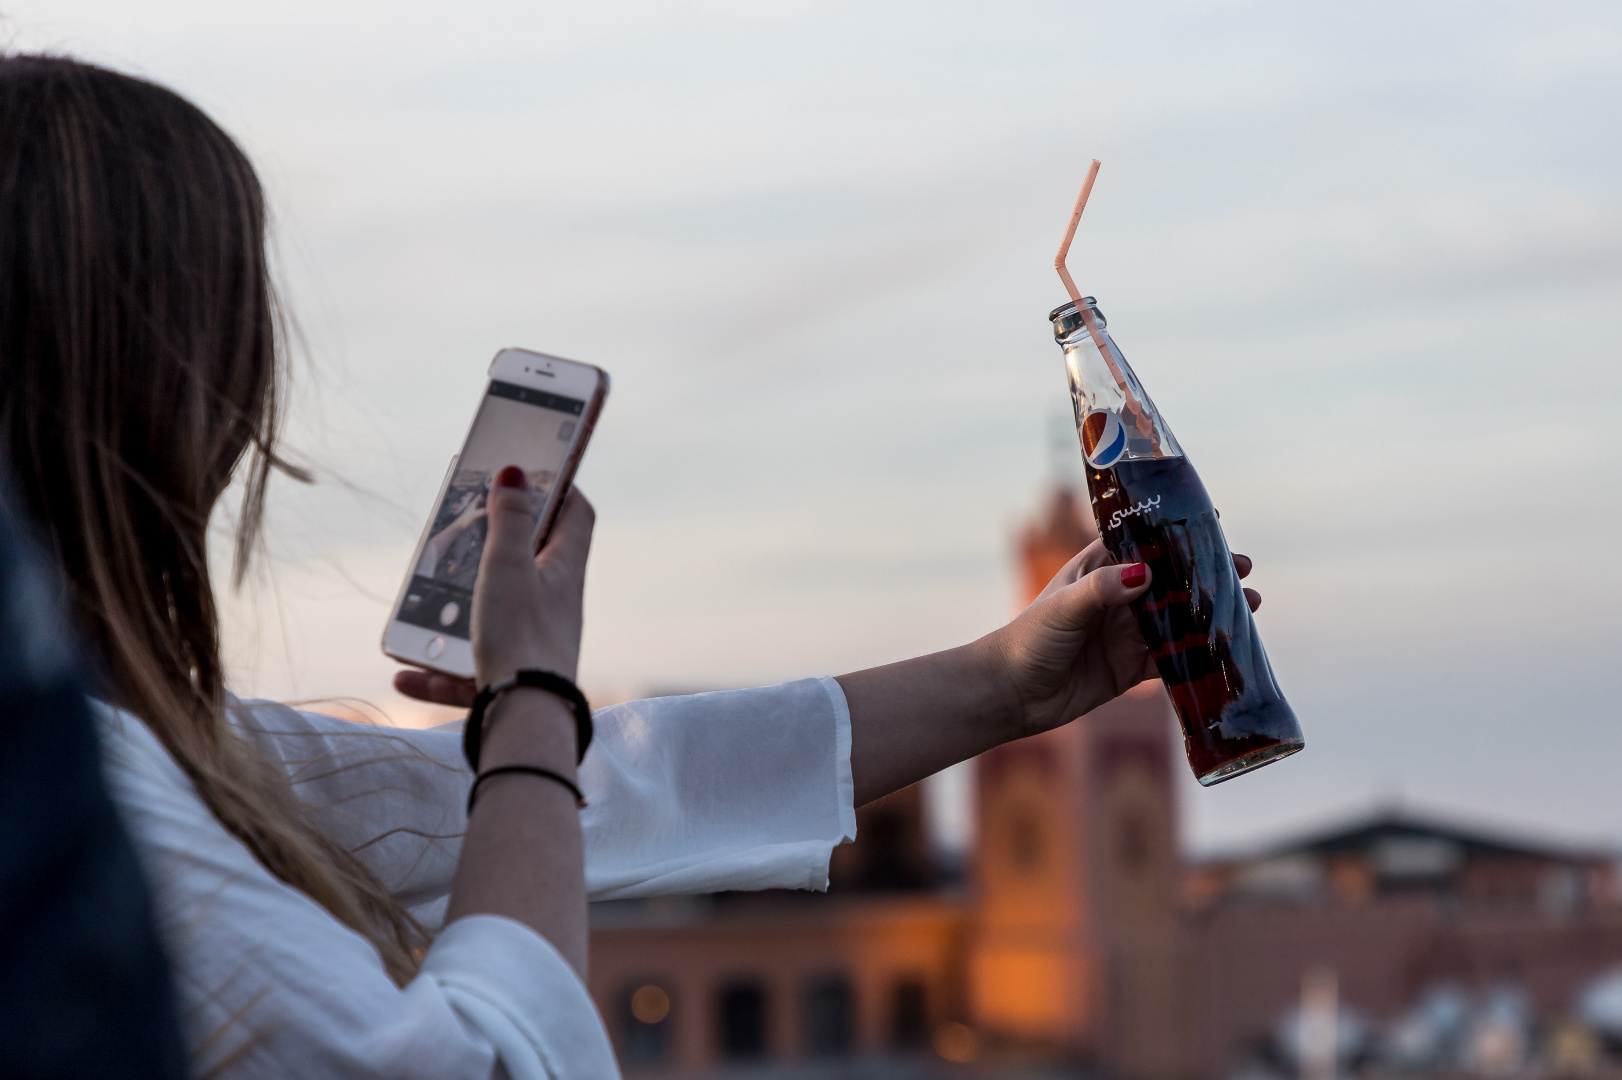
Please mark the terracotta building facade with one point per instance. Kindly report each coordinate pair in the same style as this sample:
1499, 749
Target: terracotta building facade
1077, 935
1060, 938
1399, 906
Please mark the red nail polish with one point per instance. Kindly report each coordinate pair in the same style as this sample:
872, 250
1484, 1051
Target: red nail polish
512, 476
1134, 575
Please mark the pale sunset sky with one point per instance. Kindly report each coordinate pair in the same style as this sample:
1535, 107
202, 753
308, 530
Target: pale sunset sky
1366, 258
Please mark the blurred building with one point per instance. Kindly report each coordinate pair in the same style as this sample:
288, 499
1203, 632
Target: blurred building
1063, 944
1075, 937
1077, 945
1402, 908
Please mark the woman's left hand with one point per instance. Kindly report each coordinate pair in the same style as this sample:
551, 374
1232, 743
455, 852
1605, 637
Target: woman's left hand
1078, 645
1074, 648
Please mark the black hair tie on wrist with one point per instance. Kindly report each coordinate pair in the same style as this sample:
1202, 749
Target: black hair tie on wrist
530, 770
551, 682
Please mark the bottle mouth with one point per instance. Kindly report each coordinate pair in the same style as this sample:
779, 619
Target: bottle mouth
1069, 307
1067, 317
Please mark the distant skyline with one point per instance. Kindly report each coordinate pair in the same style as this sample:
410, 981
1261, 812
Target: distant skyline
1367, 261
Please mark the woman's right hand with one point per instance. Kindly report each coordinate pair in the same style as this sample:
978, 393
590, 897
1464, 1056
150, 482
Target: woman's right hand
523, 856
526, 604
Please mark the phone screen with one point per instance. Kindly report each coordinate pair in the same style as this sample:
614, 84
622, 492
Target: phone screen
515, 425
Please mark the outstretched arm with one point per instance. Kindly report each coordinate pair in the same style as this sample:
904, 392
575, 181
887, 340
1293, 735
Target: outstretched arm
1076, 647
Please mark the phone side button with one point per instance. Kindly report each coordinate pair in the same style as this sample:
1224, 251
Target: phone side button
435, 648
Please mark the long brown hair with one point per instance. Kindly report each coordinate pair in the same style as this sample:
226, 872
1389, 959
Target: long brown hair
140, 367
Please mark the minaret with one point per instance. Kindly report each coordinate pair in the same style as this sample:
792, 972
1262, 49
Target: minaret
1076, 948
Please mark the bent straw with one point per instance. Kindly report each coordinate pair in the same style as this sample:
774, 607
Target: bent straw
1060, 259
1139, 419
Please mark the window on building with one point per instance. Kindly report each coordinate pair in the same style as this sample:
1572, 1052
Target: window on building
828, 1011
909, 1027
892, 850
743, 1020
645, 1023
1560, 891
1416, 858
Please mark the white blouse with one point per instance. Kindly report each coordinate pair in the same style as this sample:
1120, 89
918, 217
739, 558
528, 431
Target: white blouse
745, 789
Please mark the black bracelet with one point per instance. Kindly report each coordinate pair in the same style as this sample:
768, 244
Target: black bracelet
473, 733
532, 770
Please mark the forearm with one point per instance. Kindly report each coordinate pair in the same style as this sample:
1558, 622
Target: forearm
912, 719
523, 856
1074, 648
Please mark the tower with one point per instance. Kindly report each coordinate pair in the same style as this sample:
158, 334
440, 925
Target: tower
1076, 946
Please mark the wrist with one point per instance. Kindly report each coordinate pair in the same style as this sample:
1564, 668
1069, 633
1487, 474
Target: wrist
491, 672
529, 726
1003, 709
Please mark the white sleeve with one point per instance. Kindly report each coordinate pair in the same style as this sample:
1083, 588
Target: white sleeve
739, 789
271, 985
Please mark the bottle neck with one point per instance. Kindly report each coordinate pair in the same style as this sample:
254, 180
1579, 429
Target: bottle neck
1101, 381
1087, 318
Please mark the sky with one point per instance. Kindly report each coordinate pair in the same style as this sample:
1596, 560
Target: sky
1366, 258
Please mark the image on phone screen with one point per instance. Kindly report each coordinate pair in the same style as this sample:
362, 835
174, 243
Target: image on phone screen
515, 425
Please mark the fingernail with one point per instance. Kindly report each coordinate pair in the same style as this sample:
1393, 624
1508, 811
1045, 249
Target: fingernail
512, 476
1134, 575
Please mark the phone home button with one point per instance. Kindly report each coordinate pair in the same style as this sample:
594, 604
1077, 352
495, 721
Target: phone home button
435, 648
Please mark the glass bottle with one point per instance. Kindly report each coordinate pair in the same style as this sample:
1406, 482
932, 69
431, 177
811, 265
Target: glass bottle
1151, 507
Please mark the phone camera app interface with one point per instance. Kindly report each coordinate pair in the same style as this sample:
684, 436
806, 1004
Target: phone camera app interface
516, 425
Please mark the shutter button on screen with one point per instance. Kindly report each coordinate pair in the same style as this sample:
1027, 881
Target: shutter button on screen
435, 647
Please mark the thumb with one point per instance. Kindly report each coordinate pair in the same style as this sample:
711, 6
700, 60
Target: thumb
511, 518
1104, 588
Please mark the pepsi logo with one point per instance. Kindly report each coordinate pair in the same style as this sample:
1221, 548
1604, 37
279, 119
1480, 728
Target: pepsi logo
1103, 438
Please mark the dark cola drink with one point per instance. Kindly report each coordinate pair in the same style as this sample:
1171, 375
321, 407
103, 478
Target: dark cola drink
1151, 507
1194, 617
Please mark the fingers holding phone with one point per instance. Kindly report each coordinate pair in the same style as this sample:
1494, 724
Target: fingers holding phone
527, 606
537, 415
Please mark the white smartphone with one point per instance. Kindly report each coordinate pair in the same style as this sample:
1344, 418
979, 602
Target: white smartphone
538, 413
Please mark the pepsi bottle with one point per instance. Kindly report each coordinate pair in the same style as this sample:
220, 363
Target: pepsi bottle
1152, 508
